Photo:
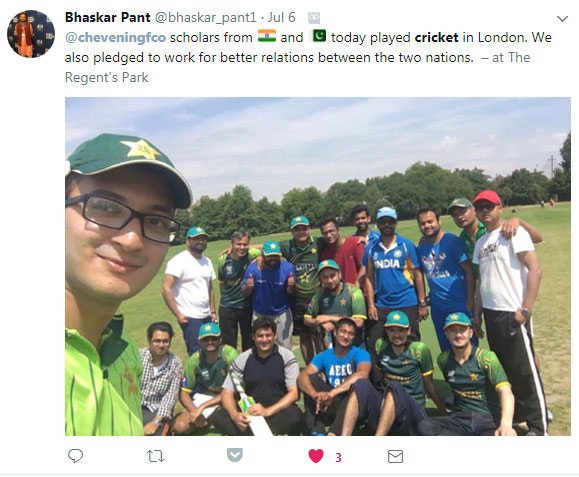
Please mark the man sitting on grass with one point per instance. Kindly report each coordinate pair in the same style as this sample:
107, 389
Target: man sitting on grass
404, 370
162, 371
325, 398
269, 373
204, 375
478, 381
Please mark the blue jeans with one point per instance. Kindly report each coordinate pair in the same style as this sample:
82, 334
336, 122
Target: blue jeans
462, 423
439, 316
191, 333
407, 411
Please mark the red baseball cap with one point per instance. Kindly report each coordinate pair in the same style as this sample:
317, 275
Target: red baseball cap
489, 195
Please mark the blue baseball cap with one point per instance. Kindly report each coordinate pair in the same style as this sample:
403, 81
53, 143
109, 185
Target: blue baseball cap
387, 212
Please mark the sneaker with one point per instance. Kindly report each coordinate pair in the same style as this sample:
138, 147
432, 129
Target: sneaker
549, 415
317, 434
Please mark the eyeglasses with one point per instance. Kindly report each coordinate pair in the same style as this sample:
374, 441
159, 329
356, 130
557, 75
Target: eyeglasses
115, 215
485, 206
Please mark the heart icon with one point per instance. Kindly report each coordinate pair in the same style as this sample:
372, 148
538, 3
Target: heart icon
316, 455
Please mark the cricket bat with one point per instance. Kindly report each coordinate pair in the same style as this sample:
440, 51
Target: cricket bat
258, 424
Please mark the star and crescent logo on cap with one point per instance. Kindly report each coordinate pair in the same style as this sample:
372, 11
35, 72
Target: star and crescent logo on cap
207, 327
272, 246
298, 219
396, 317
454, 317
141, 148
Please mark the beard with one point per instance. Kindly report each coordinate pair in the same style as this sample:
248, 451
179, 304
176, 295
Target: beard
362, 227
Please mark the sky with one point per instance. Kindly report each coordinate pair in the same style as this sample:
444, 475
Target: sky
273, 145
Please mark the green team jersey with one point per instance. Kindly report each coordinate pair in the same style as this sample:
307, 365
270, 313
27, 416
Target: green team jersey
103, 388
407, 368
305, 260
206, 378
230, 274
349, 302
476, 381
469, 244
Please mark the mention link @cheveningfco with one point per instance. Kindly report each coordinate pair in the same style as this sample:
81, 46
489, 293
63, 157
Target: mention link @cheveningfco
140, 39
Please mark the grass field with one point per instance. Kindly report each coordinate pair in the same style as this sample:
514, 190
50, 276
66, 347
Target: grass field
551, 313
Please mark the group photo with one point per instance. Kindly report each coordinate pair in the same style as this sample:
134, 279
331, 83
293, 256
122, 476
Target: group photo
318, 266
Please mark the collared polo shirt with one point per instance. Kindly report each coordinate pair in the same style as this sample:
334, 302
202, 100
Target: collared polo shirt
469, 244
204, 377
305, 261
349, 302
229, 274
476, 381
407, 368
265, 379
103, 388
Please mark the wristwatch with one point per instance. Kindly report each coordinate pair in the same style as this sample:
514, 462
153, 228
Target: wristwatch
158, 421
423, 303
525, 312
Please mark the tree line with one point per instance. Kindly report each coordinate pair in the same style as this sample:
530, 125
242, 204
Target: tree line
422, 184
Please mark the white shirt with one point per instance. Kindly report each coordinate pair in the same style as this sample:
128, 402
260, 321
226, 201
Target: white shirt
503, 276
191, 290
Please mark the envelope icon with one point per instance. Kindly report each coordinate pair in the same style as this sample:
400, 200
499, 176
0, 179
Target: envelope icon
395, 456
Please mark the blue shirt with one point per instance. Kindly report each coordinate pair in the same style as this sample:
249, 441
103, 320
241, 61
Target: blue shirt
393, 279
371, 238
337, 370
446, 278
270, 290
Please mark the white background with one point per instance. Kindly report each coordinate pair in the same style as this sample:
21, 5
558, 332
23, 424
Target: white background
31, 186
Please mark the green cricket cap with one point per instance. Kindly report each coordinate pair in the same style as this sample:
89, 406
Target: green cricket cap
397, 318
271, 247
196, 232
110, 151
460, 202
209, 329
299, 220
328, 264
457, 319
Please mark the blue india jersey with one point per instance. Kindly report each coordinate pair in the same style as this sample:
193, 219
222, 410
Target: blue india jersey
393, 272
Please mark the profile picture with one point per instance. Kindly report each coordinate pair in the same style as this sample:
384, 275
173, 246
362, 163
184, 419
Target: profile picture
30, 33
